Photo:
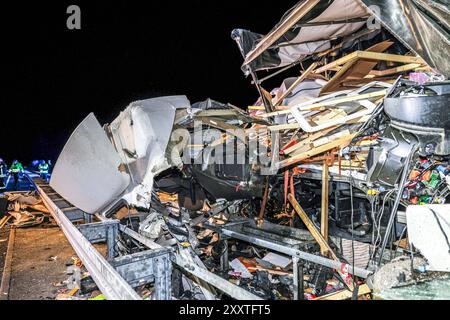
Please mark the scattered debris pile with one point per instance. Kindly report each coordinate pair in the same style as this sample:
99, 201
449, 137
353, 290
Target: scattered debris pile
307, 193
24, 209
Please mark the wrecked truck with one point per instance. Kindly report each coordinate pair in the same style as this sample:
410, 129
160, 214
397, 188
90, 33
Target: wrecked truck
346, 147
144, 147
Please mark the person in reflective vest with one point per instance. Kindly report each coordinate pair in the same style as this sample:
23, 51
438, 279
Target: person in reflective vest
43, 169
15, 169
3, 174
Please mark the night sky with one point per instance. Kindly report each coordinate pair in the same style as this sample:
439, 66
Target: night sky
126, 51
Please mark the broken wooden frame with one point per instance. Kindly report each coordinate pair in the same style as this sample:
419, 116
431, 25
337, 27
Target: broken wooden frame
367, 55
339, 143
299, 80
304, 124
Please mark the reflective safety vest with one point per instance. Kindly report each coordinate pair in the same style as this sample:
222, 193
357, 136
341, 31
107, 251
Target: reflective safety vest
16, 168
43, 168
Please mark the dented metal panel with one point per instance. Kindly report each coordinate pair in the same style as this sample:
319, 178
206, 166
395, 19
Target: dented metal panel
87, 171
141, 134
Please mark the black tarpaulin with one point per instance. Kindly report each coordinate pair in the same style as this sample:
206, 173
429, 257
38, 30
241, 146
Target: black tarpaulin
421, 25
325, 21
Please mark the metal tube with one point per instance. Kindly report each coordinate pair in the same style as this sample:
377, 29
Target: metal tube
396, 203
199, 272
224, 263
362, 273
299, 293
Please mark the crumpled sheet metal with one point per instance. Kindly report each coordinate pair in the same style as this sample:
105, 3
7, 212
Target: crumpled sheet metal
87, 171
142, 132
141, 135
422, 25
93, 172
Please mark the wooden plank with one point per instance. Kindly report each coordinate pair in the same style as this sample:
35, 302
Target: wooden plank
389, 57
337, 62
281, 127
333, 102
271, 271
4, 221
296, 83
6, 278
327, 103
352, 164
295, 125
361, 82
345, 294
324, 213
325, 140
355, 69
218, 124
332, 115
311, 228
406, 67
316, 234
345, 70
262, 108
308, 140
342, 142
217, 113
304, 148
263, 205
370, 56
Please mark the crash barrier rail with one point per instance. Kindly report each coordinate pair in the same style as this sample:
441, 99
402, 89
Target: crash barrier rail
115, 277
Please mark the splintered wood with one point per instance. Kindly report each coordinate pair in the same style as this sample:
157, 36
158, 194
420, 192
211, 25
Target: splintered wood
319, 126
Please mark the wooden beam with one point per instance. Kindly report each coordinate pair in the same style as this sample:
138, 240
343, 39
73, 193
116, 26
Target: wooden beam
296, 83
369, 56
217, 113
337, 62
338, 76
316, 234
328, 103
308, 140
389, 57
345, 294
281, 127
406, 67
7, 268
342, 142
333, 102
324, 215
311, 228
